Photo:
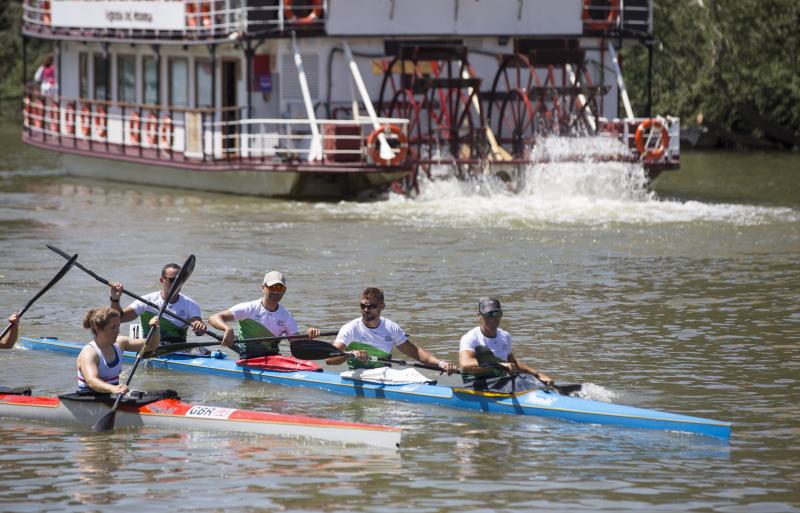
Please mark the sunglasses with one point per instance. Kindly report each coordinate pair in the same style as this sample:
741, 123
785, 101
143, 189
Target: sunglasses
170, 280
493, 314
276, 287
368, 306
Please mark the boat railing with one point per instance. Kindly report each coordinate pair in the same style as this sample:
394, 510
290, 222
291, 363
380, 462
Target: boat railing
174, 19
200, 135
653, 141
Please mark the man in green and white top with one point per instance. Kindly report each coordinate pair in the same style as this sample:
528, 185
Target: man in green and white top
263, 317
172, 330
374, 336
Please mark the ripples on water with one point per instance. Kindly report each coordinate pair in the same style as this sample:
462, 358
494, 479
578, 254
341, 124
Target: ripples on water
675, 303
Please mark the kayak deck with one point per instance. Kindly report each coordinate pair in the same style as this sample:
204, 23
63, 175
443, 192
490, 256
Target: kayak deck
175, 414
535, 403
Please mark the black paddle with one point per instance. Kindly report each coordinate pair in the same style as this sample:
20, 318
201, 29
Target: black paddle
320, 350
64, 270
489, 357
174, 348
129, 293
107, 422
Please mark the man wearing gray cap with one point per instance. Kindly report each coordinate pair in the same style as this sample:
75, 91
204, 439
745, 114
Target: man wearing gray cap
488, 343
263, 317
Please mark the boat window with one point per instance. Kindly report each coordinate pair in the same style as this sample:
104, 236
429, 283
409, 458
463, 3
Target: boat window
202, 77
179, 82
83, 75
102, 73
126, 87
150, 81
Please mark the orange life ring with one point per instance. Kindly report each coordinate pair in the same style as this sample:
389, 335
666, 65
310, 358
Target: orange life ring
600, 23
151, 129
69, 119
166, 132
401, 151
198, 14
641, 142
291, 17
134, 128
54, 115
86, 120
45, 12
37, 113
100, 121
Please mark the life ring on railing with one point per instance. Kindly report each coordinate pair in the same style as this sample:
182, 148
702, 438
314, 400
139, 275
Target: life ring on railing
37, 113
134, 128
86, 120
26, 111
100, 122
166, 132
641, 142
198, 14
291, 17
69, 119
54, 117
595, 23
45, 6
400, 152
151, 129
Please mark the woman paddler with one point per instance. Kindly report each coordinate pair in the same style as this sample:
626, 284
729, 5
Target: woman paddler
100, 361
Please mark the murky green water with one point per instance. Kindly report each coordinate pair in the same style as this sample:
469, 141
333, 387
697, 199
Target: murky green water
684, 298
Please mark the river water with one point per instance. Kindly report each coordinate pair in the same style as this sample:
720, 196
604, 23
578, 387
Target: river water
681, 297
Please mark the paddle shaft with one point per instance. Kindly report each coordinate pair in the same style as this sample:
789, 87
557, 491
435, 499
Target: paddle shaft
131, 294
174, 348
107, 422
319, 349
72, 260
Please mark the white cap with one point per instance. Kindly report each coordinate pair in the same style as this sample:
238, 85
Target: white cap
273, 277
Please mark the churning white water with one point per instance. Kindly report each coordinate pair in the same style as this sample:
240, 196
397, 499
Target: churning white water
561, 191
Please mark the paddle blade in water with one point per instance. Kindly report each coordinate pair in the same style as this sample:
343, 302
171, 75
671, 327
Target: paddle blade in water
106, 423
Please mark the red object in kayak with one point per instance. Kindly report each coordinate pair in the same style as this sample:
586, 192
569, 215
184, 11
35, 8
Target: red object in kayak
279, 363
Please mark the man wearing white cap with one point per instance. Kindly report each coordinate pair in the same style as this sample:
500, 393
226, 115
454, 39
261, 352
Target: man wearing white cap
263, 317
489, 344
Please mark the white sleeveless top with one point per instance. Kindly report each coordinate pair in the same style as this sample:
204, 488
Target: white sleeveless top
107, 371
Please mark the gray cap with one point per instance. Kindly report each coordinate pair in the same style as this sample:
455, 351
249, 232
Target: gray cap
488, 305
273, 277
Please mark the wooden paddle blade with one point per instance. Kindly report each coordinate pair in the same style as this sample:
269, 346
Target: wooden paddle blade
313, 349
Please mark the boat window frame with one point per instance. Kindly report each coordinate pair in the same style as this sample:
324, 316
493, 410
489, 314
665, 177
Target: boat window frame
120, 88
171, 80
198, 62
143, 79
83, 75
96, 56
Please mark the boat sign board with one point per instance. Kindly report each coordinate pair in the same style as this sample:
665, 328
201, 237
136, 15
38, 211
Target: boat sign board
110, 14
454, 17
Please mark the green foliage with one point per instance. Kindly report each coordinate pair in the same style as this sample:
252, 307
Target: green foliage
715, 57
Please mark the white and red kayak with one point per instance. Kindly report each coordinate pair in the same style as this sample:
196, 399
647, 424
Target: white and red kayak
171, 413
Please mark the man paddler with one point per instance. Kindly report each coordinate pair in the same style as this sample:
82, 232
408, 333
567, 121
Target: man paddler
374, 336
486, 351
263, 317
172, 330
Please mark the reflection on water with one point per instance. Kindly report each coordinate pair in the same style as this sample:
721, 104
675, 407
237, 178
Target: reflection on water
682, 301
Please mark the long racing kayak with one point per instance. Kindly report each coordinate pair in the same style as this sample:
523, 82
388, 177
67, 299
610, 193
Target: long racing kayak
534, 403
82, 412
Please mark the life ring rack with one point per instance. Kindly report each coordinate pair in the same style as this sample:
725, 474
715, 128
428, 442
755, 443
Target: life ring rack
643, 136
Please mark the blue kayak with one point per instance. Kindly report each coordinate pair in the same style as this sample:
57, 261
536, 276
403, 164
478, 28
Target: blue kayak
537, 403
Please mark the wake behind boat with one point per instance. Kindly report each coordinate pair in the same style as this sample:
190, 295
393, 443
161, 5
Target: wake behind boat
534, 403
167, 411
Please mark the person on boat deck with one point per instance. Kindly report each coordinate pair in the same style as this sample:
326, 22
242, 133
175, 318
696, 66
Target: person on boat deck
10, 338
263, 317
374, 336
100, 361
488, 343
172, 330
